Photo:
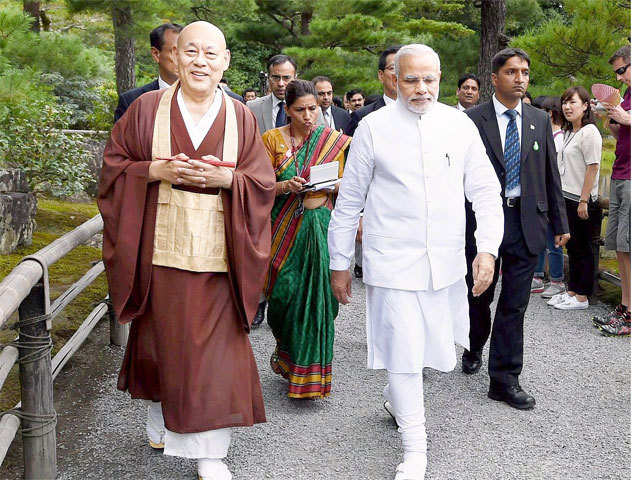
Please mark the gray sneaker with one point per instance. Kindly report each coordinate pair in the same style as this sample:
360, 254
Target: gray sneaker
537, 285
553, 289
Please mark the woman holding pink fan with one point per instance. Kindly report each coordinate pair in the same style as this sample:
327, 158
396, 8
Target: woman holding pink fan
579, 166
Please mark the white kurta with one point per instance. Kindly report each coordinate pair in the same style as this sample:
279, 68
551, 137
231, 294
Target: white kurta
413, 172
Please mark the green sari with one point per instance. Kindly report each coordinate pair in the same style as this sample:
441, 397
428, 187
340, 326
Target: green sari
302, 307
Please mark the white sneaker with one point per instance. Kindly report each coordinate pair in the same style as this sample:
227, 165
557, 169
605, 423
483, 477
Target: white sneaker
554, 288
572, 303
412, 469
558, 298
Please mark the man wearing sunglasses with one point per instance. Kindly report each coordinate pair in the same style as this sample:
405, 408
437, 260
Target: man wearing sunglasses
618, 237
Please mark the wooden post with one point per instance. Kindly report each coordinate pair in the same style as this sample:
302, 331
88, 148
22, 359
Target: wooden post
36, 385
118, 332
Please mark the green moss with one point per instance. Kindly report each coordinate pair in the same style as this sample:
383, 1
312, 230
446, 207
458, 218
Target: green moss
54, 218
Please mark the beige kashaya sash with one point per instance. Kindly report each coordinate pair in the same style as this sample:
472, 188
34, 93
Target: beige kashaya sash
189, 232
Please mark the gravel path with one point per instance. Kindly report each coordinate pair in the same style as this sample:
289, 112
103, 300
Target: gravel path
579, 429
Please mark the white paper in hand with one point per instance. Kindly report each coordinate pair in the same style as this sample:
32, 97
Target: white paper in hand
326, 172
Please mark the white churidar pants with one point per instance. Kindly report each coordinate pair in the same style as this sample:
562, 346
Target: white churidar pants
404, 391
410, 330
212, 444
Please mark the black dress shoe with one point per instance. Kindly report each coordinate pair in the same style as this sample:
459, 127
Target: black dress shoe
471, 362
514, 395
357, 271
259, 318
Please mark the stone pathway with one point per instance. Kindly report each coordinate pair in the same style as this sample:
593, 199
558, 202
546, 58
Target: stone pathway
579, 429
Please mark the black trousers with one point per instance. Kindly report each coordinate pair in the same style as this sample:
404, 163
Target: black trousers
580, 248
518, 265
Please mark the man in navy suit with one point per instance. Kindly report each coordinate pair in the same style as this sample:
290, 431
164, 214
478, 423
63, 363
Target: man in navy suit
329, 115
519, 143
162, 39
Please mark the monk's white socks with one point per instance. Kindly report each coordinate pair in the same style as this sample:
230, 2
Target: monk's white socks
405, 392
155, 423
209, 447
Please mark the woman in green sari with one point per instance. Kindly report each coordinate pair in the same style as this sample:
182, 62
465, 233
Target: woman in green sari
301, 306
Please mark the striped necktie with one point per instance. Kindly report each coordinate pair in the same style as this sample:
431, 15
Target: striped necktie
512, 151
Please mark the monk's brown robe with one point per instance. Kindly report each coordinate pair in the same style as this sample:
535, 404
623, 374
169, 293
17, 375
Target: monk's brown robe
188, 345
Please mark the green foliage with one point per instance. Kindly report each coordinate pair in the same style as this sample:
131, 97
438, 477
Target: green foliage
574, 49
31, 137
55, 52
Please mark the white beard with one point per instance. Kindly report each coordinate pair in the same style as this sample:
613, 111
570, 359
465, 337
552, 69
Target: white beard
412, 108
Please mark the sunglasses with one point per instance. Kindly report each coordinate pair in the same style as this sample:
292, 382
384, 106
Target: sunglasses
621, 70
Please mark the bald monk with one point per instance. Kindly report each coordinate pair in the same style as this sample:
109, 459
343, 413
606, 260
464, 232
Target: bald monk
186, 245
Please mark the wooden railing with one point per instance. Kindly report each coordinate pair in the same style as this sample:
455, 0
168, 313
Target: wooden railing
26, 289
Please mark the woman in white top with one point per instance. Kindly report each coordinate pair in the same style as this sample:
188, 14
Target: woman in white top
579, 169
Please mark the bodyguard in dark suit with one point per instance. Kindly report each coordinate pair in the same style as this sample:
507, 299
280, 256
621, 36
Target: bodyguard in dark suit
386, 72
520, 145
162, 39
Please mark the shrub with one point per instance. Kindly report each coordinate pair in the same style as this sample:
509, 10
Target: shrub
31, 137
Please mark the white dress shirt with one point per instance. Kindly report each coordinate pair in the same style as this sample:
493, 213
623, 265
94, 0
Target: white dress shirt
327, 118
460, 107
162, 84
503, 121
197, 131
388, 100
275, 106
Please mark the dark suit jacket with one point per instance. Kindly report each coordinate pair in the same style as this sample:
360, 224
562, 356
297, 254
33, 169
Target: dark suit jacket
361, 113
341, 118
541, 199
129, 96
233, 94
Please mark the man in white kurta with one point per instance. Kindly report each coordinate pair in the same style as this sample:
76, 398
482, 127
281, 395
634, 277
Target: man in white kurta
410, 166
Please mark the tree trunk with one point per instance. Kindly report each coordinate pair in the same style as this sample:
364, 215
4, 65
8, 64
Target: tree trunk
45, 20
124, 45
33, 10
492, 40
305, 20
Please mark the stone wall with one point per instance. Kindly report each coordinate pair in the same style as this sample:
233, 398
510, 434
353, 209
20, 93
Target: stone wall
17, 211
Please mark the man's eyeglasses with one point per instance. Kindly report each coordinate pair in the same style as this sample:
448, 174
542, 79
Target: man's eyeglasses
621, 70
277, 78
391, 68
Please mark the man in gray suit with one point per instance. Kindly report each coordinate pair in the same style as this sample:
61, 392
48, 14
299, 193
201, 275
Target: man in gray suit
269, 110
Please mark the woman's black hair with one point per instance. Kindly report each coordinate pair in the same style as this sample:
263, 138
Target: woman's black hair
298, 88
588, 116
552, 105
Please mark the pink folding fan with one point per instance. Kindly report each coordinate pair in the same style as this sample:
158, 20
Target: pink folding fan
606, 93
